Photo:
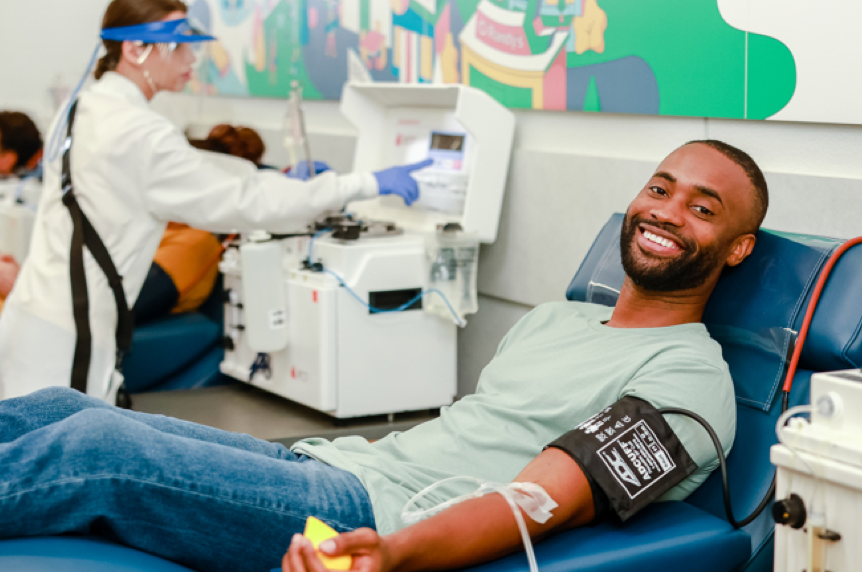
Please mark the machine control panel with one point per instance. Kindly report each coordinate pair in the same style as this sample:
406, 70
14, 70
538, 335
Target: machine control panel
443, 185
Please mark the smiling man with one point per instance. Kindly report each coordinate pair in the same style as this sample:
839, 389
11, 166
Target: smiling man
219, 501
696, 215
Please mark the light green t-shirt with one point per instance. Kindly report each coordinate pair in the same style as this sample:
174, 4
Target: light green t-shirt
557, 367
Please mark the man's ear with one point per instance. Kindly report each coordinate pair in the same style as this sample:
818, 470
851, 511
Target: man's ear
8, 160
741, 248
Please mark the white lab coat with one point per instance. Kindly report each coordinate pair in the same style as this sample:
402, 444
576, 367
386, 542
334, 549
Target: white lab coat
133, 171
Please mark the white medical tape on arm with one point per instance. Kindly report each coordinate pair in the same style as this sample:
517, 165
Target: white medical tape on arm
530, 497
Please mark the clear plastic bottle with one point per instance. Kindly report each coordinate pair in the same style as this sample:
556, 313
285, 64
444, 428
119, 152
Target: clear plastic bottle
263, 294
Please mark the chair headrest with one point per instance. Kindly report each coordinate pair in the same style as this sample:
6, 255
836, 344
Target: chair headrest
758, 306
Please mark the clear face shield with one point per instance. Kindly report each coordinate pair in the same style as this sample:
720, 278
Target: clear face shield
171, 50
177, 42
169, 37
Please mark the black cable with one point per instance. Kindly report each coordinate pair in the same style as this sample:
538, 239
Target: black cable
271, 238
722, 462
290, 235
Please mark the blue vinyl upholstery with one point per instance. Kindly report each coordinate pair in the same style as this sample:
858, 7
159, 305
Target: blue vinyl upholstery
181, 351
666, 536
753, 313
77, 554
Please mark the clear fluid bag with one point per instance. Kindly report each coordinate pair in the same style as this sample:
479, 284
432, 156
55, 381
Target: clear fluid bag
453, 259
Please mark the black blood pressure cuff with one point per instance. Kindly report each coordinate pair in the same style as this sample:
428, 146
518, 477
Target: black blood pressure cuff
630, 453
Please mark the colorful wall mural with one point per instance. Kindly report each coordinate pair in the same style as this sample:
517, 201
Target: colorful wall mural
666, 57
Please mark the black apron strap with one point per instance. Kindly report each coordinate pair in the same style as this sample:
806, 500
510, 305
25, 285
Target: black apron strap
83, 234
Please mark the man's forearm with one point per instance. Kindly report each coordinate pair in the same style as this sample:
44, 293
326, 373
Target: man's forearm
468, 533
482, 529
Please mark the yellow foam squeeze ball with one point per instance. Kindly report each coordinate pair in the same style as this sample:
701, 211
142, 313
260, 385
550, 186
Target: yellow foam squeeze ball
317, 531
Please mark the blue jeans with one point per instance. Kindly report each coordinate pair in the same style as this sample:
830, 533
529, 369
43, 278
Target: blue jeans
205, 498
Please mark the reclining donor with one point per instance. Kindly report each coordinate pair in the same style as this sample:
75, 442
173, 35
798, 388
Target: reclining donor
214, 500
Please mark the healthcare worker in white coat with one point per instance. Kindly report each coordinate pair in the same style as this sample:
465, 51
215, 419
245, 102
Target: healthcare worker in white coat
132, 171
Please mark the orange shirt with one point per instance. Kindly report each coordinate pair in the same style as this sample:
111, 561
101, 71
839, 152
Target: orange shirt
184, 254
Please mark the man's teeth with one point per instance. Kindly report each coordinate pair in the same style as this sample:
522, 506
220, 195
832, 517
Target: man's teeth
659, 240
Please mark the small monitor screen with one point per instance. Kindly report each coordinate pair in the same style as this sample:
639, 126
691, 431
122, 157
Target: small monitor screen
447, 142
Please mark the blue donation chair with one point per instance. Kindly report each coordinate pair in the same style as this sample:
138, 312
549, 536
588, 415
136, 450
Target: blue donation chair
180, 351
753, 313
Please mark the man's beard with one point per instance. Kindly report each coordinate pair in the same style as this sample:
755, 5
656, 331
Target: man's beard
689, 270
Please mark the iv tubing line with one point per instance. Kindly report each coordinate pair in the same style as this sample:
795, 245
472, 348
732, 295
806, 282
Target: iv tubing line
458, 319
54, 143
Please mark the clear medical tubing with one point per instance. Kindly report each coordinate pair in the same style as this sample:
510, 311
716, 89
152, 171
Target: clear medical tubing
809, 314
459, 321
779, 426
528, 496
782, 421
56, 139
455, 316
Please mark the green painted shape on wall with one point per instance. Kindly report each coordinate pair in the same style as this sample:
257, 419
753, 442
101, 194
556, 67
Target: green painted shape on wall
591, 100
276, 83
698, 59
517, 97
365, 15
467, 7
769, 86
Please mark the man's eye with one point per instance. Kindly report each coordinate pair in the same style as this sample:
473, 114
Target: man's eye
703, 210
658, 190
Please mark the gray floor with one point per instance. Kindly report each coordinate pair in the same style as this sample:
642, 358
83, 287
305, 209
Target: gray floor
246, 409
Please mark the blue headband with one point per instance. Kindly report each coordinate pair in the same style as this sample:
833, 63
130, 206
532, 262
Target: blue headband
163, 32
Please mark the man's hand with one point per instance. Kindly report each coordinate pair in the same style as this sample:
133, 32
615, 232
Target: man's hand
365, 545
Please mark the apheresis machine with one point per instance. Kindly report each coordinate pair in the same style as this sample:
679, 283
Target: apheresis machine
359, 317
819, 479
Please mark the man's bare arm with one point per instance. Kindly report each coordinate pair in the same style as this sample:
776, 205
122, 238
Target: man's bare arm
469, 533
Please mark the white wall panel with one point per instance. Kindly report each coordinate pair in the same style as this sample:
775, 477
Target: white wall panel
814, 205
554, 206
800, 148
605, 134
39, 40
183, 109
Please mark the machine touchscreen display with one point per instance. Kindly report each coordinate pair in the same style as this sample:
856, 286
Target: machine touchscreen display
447, 151
447, 142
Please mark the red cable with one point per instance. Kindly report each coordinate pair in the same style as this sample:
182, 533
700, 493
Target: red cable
809, 314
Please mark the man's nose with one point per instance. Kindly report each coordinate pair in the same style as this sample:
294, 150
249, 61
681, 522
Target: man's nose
670, 212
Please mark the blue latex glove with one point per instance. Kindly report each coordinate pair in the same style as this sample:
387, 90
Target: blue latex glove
397, 181
302, 172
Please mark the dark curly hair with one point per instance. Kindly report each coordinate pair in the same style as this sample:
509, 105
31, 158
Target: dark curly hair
18, 133
242, 142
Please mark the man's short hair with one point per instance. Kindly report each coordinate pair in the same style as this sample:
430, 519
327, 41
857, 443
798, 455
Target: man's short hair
752, 171
18, 133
